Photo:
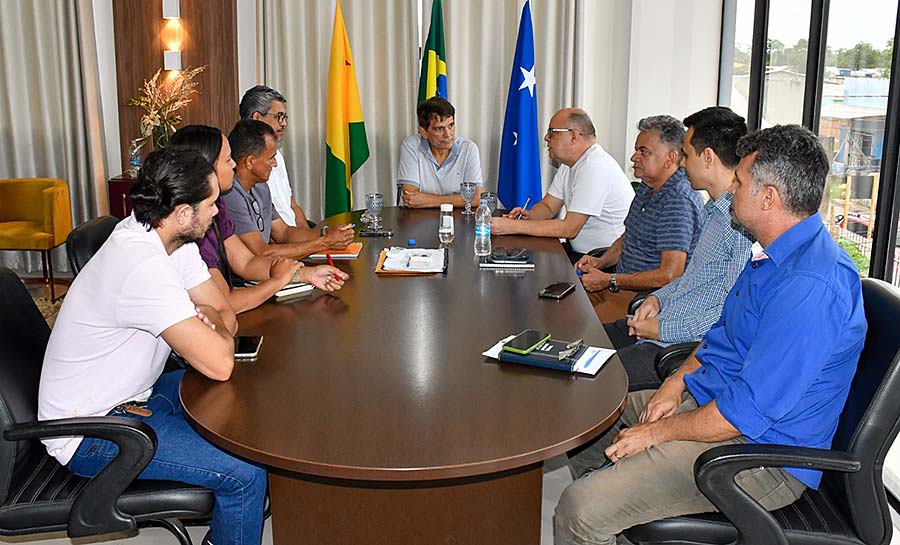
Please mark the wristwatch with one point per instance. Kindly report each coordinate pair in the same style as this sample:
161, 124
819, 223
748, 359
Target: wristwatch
613, 285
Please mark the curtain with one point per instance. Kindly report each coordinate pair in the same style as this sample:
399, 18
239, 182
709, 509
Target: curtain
296, 43
50, 114
480, 39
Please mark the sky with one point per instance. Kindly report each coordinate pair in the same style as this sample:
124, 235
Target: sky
850, 22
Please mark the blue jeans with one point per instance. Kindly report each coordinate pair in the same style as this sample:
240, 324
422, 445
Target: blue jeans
182, 455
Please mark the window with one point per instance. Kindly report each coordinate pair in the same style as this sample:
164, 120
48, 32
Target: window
852, 121
786, 49
736, 49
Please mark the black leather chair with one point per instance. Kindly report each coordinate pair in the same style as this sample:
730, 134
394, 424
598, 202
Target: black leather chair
37, 494
84, 241
850, 506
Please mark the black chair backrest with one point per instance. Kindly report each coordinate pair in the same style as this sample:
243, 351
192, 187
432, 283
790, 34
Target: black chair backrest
23, 339
870, 419
84, 241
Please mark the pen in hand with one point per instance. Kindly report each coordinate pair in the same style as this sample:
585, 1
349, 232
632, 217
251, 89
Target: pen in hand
524, 207
331, 262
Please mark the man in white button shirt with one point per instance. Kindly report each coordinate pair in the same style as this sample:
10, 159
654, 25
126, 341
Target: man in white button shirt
269, 106
589, 182
434, 162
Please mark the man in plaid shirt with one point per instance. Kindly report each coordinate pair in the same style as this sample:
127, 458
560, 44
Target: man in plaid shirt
685, 309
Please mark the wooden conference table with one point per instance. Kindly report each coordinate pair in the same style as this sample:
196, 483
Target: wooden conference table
377, 415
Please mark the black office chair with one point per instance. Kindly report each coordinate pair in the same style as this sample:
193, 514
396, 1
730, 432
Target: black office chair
84, 240
37, 494
850, 506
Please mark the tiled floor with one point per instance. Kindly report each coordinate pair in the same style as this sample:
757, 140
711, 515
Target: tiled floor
556, 477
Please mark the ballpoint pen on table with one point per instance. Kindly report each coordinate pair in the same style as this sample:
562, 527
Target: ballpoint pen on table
524, 206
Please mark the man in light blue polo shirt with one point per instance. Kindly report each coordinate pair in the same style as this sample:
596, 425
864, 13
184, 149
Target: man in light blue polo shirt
775, 369
663, 224
434, 162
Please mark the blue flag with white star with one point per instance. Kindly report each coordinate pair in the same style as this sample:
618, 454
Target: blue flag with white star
520, 161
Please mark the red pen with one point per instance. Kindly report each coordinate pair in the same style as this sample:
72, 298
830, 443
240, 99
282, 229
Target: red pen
331, 262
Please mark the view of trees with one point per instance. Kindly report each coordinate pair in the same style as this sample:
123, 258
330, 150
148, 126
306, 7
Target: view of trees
860, 56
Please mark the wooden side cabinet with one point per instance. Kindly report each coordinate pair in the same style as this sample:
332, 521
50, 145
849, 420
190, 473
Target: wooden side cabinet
117, 189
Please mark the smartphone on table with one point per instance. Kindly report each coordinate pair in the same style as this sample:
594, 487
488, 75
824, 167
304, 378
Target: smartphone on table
246, 347
557, 290
526, 341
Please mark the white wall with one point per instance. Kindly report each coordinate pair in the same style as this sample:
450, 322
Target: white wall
646, 57
249, 73
109, 100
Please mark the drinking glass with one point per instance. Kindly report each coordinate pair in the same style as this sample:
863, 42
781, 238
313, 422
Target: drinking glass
374, 206
489, 199
467, 190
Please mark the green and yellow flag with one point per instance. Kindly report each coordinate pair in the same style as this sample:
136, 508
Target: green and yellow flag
345, 132
433, 81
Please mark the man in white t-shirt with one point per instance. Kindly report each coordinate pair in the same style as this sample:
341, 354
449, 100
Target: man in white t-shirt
269, 106
143, 294
590, 184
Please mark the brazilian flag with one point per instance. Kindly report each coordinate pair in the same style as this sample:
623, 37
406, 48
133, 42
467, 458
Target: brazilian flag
345, 132
433, 81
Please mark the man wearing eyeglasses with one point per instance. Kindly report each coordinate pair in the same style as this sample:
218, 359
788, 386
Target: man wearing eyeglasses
265, 104
434, 162
251, 206
590, 184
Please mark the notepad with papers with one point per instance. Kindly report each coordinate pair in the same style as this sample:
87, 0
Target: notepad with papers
289, 291
399, 260
350, 252
572, 357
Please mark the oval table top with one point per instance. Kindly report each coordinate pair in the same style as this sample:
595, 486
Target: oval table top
385, 381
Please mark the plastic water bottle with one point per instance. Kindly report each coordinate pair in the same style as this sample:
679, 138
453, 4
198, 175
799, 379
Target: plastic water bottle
483, 230
134, 157
445, 228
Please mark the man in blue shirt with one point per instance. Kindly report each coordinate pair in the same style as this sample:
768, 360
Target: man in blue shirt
434, 162
776, 368
663, 223
686, 308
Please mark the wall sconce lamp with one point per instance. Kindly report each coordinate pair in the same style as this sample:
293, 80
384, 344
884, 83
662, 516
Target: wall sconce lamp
171, 9
172, 60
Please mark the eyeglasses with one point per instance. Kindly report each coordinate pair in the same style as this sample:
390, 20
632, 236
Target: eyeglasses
551, 130
280, 117
254, 208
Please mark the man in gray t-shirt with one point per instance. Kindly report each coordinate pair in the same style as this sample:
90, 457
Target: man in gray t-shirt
249, 202
434, 162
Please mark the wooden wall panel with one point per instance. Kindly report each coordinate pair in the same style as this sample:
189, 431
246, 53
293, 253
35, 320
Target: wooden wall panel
209, 37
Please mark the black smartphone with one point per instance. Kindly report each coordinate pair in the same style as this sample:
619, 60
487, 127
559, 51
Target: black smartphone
526, 341
513, 255
558, 290
246, 347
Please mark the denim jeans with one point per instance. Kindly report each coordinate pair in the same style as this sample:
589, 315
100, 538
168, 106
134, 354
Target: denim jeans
182, 455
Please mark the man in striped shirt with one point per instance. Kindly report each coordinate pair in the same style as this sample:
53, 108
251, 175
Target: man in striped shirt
663, 223
685, 309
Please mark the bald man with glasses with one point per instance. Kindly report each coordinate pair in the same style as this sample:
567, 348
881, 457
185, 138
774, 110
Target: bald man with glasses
589, 182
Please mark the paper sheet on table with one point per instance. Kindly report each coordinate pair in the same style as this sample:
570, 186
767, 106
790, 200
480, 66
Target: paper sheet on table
414, 259
589, 363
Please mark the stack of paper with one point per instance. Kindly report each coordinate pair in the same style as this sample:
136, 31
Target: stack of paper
421, 260
350, 252
289, 291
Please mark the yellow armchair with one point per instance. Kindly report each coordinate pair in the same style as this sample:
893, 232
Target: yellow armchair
35, 214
